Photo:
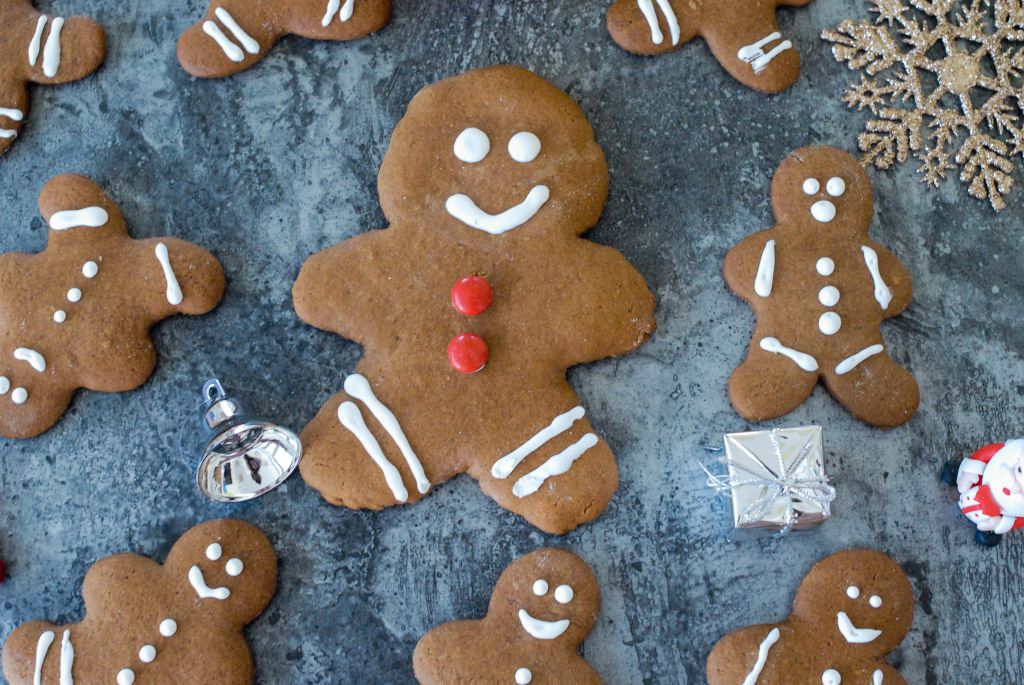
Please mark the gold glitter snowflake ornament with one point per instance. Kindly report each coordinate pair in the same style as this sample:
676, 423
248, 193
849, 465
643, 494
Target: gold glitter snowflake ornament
946, 85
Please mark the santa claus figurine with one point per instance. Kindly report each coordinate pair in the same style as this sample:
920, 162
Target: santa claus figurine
991, 485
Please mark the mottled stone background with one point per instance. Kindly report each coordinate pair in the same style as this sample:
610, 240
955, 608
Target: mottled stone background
273, 165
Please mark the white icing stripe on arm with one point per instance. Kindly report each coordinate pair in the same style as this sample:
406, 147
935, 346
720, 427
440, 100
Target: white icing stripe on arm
34, 359
51, 51
765, 270
647, 9
42, 647
8, 133
555, 466
351, 418
89, 217
332, 10
347, 10
33, 47
804, 361
247, 41
12, 114
876, 677
762, 657
67, 659
195, 577
755, 55
882, 292
174, 295
504, 467
463, 208
358, 387
670, 17
854, 360
231, 51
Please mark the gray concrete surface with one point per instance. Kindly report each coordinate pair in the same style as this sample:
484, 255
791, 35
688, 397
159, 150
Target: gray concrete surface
273, 165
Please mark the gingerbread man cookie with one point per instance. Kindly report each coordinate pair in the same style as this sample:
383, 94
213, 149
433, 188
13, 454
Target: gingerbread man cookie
742, 34
852, 609
78, 314
820, 289
235, 34
176, 623
471, 313
542, 608
42, 49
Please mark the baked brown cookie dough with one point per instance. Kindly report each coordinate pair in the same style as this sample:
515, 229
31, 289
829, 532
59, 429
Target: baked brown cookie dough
176, 623
236, 34
743, 35
78, 314
488, 183
542, 608
852, 609
40, 48
820, 288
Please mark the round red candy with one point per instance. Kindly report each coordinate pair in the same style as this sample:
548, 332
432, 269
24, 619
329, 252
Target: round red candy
468, 353
472, 295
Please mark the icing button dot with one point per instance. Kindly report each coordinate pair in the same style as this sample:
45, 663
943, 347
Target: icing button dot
5, 385
853, 592
214, 552
524, 676
90, 269
19, 396
472, 295
811, 186
147, 654
234, 567
126, 677
831, 677
829, 296
74, 295
60, 316
468, 353
835, 186
564, 594
829, 323
825, 266
875, 601
540, 588
168, 627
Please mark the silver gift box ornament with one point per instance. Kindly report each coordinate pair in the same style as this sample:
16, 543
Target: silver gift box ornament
776, 479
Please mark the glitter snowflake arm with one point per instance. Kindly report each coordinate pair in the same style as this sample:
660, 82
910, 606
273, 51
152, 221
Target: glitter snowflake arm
862, 46
891, 137
985, 167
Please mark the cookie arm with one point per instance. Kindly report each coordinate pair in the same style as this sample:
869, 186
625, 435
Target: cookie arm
68, 49
743, 262
896, 277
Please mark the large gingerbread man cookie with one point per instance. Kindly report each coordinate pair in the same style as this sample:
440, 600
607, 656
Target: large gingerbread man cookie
40, 48
852, 609
820, 289
235, 34
176, 623
471, 307
743, 35
542, 608
78, 314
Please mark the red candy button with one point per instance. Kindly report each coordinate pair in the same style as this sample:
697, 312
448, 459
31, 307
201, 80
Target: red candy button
472, 295
468, 353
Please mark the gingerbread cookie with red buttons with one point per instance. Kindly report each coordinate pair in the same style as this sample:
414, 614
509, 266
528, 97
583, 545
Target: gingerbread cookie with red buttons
820, 288
743, 36
44, 49
180, 622
542, 608
236, 34
78, 314
852, 609
472, 305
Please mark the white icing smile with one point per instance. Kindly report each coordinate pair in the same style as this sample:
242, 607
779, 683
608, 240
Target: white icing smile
198, 581
542, 630
852, 633
463, 208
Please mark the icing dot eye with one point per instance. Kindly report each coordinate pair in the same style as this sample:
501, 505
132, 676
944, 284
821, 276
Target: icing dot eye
811, 186
835, 186
875, 601
524, 147
213, 552
234, 567
563, 594
853, 592
472, 146
540, 588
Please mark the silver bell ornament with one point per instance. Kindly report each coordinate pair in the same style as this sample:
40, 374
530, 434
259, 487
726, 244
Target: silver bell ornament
243, 457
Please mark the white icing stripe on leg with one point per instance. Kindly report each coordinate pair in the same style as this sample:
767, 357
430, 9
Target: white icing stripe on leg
804, 361
755, 56
247, 41
854, 360
882, 292
12, 114
647, 9
504, 467
232, 51
762, 657
765, 270
42, 647
352, 419
174, 294
762, 62
34, 359
358, 387
670, 17
33, 47
8, 133
347, 10
67, 659
332, 9
555, 466
51, 51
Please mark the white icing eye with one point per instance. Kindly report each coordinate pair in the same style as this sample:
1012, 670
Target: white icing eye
563, 594
835, 186
540, 588
472, 146
811, 186
234, 567
213, 552
875, 601
853, 592
524, 147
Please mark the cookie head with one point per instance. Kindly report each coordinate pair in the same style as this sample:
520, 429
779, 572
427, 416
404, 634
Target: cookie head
551, 594
497, 151
822, 188
859, 599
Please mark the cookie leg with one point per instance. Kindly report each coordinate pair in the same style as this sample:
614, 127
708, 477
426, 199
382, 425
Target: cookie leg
230, 38
13, 115
771, 383
28, 407
338, 19
873, 387
751, 48
649, 27
64, 50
